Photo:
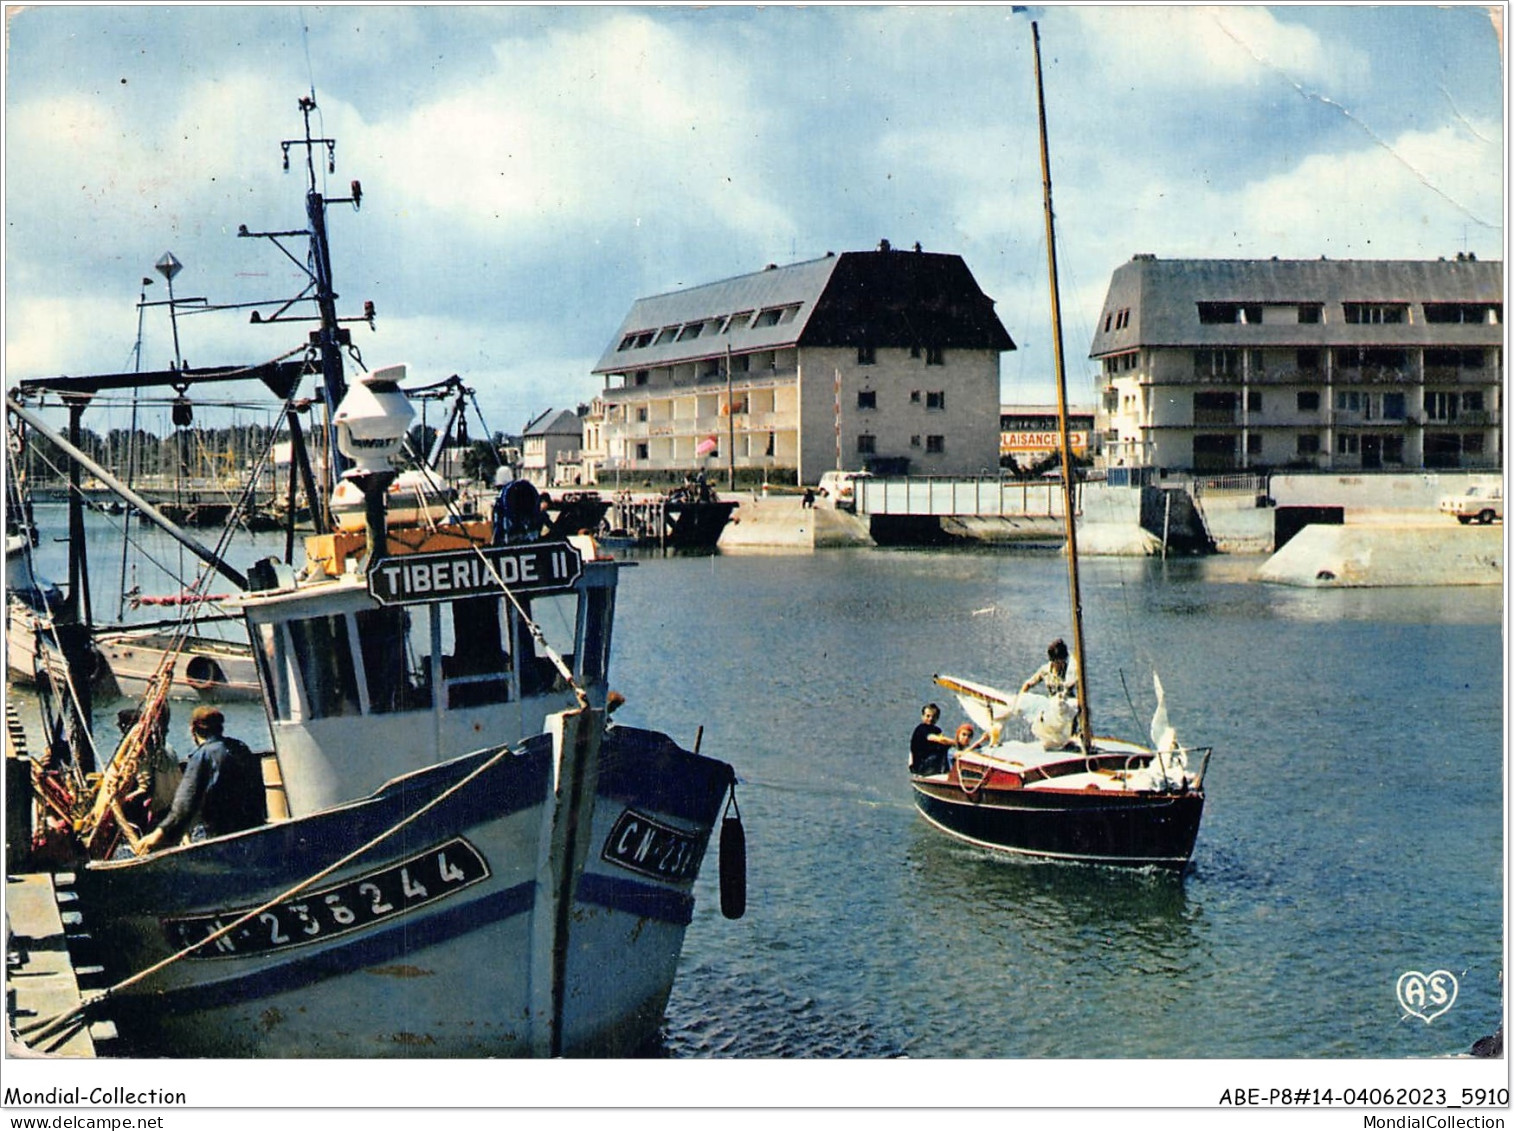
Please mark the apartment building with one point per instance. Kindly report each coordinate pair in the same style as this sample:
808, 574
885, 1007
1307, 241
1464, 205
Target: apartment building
1218, 365
881, 360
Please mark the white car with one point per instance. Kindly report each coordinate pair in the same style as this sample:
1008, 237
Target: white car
1481, 503
840, 488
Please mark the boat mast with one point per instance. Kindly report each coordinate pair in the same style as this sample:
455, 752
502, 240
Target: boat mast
1084, 732
331, 336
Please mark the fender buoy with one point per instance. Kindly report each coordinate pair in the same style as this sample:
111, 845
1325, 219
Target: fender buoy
203, 674
732, 864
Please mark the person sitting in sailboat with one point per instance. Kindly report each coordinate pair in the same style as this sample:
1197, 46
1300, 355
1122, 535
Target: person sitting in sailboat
1059, 673
1055, 722
928, 747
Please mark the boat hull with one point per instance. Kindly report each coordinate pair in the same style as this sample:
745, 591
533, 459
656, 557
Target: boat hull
1092, 826
435, 943
207, 669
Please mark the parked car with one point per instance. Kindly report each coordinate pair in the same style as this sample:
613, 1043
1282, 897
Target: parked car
1481, 503
840, 488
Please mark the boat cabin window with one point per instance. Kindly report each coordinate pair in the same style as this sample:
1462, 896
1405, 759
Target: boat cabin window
274, 667
475, 658
328, 677
556, 615
396, 661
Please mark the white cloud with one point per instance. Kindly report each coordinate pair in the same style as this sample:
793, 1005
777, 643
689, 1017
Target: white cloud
596, 127
1206, 47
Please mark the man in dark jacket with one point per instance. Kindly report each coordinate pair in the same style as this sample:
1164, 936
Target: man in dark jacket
222, 790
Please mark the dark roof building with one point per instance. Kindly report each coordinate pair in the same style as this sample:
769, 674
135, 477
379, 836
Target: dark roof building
1339, 364
883, 359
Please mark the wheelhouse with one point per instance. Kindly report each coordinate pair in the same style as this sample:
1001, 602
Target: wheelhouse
363, 683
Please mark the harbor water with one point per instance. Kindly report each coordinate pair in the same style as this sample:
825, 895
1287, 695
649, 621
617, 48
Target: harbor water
1353, 831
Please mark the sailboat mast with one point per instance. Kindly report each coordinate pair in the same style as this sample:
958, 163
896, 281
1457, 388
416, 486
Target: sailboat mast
1074, 592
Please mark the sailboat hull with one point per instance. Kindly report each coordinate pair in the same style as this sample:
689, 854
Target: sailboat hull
1094, 826
438, 942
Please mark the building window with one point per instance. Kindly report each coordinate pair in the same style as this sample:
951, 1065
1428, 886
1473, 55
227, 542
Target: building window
935, 445
641, 451
641, 414
1471, 443
935, 400
914, 396
1308, 444
692, 330
1393, 406
1471, 400
1478, 313
1223, 313
914, 441
866, 444
737, 321
1441, 407
866, 355
1347, 444
1253, 443
1308, 400
668, 334
1308, 360
1386, 361
1376, 313
1253, 400
642, 376
1216, 363
1348, 402
867, 398
1393, 449
1309, 313
1214, 408
935, 355
627, 342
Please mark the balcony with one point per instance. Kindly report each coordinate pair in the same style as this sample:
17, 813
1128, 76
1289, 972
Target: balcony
1372, 375
1208, 417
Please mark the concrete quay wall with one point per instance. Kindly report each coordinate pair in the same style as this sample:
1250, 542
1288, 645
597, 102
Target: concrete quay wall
784, 522
1384, 555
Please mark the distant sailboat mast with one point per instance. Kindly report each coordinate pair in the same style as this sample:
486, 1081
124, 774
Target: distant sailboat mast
1084, 731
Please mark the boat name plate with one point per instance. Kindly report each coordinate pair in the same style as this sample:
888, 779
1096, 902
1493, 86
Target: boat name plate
338, 910
419, 578
643, 845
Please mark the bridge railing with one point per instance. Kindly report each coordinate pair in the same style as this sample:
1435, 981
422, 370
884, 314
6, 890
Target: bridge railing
945, 496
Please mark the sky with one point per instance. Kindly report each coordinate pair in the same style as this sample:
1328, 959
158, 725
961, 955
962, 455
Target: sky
529, 172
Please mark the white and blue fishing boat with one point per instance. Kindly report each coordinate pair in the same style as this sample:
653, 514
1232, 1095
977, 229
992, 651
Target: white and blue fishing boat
467, 857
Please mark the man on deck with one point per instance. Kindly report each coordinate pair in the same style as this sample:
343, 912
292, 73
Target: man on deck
222, 790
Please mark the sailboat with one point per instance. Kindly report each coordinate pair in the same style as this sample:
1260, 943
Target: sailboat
1063, 791
467, 855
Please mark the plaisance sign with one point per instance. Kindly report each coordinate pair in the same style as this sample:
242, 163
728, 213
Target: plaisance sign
417, 578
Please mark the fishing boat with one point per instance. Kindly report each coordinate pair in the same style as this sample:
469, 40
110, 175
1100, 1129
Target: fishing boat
1039, 781
688, 517
207, 669
477, 860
